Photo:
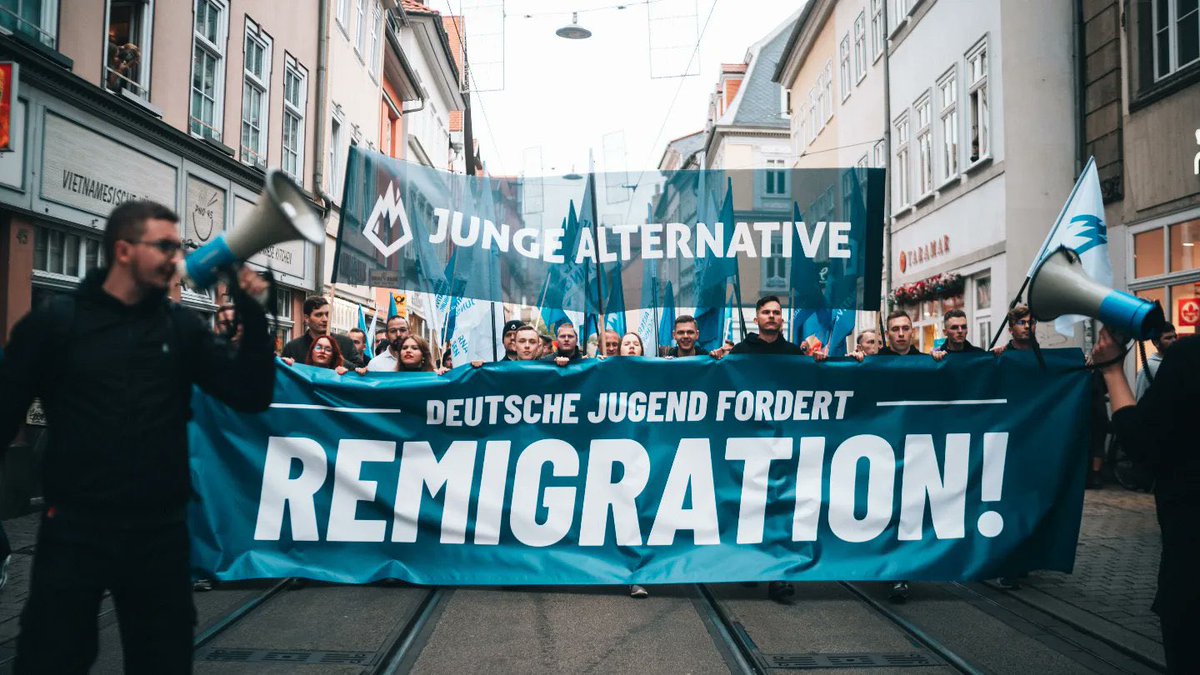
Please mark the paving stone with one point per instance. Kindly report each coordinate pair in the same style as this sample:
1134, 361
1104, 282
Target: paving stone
1116, 569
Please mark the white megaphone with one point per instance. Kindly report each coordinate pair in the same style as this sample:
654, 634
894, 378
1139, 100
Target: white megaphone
282, 214
1059, 286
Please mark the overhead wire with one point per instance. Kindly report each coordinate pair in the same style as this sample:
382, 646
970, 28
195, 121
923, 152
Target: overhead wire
462, 40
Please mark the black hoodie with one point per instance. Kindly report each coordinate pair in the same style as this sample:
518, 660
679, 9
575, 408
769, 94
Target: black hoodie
753, 344
115, 381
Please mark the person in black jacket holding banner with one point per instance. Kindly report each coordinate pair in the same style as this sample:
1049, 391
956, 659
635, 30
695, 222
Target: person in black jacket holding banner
768, 316
568, 351
954, 324
116, 474
1160, 431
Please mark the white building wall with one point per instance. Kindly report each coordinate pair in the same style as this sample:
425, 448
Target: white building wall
992, 216
430, 126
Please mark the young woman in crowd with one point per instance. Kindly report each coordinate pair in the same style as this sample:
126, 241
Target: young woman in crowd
415, 356
631, 345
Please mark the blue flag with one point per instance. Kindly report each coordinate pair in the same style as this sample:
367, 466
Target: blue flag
367, 337
666, 322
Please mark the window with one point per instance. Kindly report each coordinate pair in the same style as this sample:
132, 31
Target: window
844, 59
878, 32
785, 101
256, 95
35, 19
948, 107
776, 177
127, 58
336, 141
343, 12
815, 125
775, 269
860, 46
295, 99
924, 146
208, 68
376, 41
360, 22
1176, 35
902, 8
65, 253
901, 168
977, 101
878, 154
827, 93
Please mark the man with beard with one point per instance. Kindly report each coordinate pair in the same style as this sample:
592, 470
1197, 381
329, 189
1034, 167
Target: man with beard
686, 334
316, 323
509, 336
388, 359
768, 316
568, 346
116, 475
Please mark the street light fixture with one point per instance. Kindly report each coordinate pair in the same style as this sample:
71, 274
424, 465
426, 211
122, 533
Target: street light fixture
574, 31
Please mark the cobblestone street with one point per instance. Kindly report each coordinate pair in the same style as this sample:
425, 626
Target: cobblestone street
1116, 567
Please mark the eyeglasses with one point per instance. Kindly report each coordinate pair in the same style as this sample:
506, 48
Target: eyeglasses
1025, 323
167, 247
323, 348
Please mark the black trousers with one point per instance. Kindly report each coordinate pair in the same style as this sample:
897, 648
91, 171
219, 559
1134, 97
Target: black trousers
146, 568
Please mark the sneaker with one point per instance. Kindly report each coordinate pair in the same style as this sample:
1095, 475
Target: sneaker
899, 592
4, 571
1008, 583
202, 585
636, 591
780, 590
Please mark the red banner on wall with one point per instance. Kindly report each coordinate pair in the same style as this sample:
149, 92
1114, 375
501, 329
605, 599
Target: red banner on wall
8, 89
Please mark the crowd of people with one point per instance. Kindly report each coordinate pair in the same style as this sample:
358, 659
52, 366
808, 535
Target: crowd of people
117, 479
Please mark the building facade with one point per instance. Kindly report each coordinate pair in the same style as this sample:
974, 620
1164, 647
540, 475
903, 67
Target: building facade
972, 202
1141, 94
110, 106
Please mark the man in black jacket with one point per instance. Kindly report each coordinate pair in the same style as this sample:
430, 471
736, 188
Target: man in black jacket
768, 316
568, 346
116, 474
1160, 431
954, 324
316, 324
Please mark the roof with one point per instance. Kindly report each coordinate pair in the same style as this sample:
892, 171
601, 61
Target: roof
686, 146
758, 99
733, 67
417, 7
792, 40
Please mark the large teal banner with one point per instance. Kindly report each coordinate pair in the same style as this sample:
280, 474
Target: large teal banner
636, 470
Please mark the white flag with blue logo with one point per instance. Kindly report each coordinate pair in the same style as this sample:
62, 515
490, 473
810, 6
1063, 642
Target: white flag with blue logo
1081, 228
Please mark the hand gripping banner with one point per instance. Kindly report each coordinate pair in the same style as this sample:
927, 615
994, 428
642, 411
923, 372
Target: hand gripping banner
634, 470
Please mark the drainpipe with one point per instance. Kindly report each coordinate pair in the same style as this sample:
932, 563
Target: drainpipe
1080, 88
322, 103
887, 165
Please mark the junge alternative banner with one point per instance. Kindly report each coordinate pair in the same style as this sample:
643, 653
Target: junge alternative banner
638, 470
607, 244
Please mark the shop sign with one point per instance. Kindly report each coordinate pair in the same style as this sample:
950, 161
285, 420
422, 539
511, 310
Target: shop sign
94, 173
287, 257
204, 211
924, 253
9, 71
1187, 310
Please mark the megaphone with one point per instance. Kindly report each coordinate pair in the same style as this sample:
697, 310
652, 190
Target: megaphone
1059, 286
282, 214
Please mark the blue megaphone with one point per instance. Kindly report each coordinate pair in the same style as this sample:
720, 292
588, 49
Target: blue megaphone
1059, 286
282, 214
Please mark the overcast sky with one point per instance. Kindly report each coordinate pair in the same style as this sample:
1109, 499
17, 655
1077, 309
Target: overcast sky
563, 97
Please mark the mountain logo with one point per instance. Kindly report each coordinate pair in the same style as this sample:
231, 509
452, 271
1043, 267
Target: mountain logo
389, 211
